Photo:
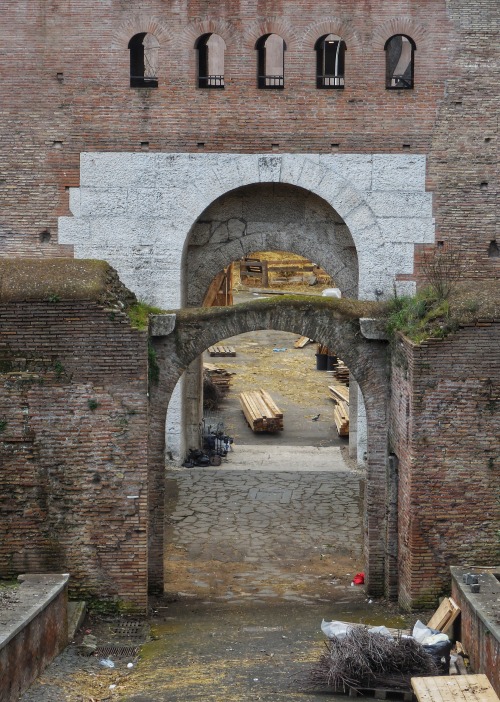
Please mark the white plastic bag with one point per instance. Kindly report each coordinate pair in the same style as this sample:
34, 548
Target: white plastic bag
334, 629
426, 636
107, 663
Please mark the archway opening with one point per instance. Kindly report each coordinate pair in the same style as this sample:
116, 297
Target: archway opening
255, 219
279, 515
259, 217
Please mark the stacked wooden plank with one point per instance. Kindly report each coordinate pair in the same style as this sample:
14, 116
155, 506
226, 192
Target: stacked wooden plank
301, 342
222, 351
340, 395
220, 377
341, 372
261, 412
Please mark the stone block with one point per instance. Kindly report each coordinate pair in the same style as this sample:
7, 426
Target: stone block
400, 204
399, 172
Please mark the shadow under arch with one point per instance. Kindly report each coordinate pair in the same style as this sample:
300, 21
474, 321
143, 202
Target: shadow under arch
180, 337
267, 217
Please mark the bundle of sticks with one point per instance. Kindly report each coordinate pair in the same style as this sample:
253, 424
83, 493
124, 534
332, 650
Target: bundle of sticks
362, 659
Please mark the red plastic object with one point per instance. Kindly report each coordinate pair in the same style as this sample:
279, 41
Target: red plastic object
359, 579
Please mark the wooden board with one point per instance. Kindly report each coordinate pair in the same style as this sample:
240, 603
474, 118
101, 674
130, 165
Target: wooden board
222, 351
301, 342
456, 688
444, 616
339, 392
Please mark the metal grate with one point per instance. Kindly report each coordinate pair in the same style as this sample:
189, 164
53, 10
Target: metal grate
115, 651
130, 628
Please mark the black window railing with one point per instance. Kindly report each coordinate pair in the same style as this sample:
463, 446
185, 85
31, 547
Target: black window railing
211, 81
330, 81
399, 82
276, 82
143, 82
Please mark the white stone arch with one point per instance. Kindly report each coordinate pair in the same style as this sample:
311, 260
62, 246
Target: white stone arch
136, 210
267, 217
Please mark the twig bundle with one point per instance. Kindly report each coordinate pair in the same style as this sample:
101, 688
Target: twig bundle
366, 660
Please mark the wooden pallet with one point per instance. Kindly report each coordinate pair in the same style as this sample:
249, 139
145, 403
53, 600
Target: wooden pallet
261, 412
222, 351
377, 693
456, 688
444, 616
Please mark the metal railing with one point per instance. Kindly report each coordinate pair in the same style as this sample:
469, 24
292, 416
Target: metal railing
330, 81
143, 82
211, 81
272, 81
399, 82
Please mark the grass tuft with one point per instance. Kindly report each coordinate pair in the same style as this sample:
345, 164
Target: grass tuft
139, 312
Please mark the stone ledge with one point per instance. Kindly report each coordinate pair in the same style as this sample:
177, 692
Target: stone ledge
162, 324
35, 593
373, 329
483, 603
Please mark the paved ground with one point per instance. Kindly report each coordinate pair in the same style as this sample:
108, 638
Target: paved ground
239, 534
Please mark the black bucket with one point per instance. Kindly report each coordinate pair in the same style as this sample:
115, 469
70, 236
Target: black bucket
321, 361
331, 362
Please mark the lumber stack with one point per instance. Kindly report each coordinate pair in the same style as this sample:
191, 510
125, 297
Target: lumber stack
341, 372
222, 351
261, 412
220, 377
340, 395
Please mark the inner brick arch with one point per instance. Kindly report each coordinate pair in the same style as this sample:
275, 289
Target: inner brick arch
268, 217
180, 338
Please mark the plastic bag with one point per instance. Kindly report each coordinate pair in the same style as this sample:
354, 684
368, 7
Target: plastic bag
426, 636
437, 645
359, 579
107, 663
334, 629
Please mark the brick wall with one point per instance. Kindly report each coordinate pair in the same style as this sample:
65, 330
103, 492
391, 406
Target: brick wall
48, 119
479, 630
445, 425
73, 447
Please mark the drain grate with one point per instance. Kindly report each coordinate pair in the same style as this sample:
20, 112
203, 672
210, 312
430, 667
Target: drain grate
130, 629
116, 651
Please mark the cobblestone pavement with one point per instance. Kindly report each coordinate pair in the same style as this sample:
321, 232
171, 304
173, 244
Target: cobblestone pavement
235, 534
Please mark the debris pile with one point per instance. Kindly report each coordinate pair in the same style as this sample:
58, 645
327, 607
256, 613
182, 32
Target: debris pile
362, 659
216, 384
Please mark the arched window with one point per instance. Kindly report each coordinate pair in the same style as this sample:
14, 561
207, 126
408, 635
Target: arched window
211, 48
399, 62
330, 57
271, 61
143, 61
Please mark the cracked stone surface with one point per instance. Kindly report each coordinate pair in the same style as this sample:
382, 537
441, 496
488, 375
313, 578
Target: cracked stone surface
232, 534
